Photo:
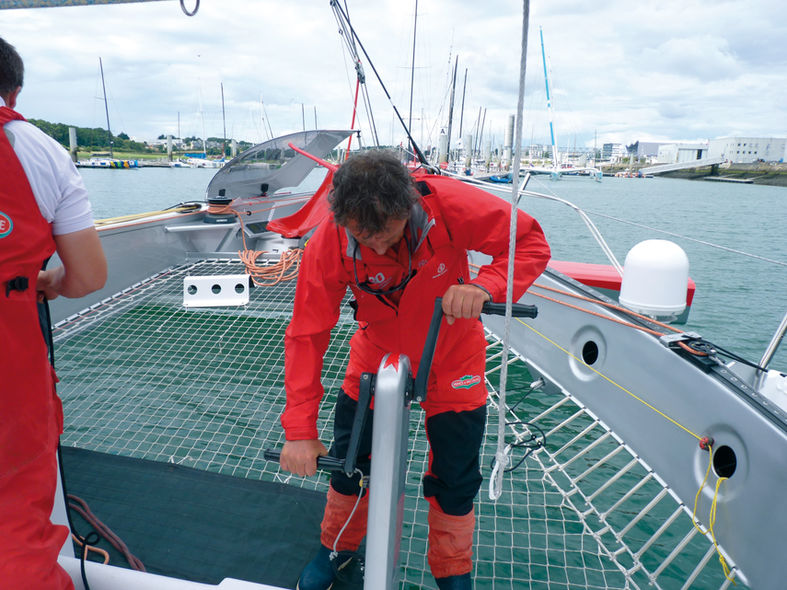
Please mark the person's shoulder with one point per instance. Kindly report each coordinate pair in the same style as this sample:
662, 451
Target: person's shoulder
24, 128
29, 136
327, 224
326, 233
440, 183
446, 188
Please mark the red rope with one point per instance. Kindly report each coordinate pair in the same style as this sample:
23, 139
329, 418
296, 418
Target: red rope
80, 506
355, 110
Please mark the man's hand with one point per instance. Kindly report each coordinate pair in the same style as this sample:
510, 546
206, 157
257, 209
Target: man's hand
300, 456
83, 270
463, 301
48, 283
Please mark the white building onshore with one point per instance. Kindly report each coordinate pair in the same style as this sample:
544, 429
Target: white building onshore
742, 150
737, 150
674, 153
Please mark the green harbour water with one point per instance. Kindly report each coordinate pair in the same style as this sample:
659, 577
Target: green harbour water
740, 299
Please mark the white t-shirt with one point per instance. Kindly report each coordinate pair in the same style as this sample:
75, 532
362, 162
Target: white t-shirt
56, 183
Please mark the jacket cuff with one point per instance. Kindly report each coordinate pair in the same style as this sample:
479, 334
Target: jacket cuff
484, 289
303, 433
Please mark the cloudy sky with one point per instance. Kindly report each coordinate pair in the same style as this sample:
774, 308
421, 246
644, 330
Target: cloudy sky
619, 71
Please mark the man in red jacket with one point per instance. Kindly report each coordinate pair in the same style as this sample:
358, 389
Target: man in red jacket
398, 244
43, 209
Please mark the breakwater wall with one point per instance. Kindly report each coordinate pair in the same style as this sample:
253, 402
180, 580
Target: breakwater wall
774, 174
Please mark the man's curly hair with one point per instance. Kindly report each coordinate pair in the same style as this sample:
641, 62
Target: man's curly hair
370, 189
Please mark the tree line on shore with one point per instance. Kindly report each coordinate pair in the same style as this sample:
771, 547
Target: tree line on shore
89, 139
97, 139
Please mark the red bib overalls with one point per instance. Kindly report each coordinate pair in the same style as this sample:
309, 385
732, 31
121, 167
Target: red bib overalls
30, 412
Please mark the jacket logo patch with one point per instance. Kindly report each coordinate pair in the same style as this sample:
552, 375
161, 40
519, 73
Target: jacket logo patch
379, 280
6, 225
466, 382
440, 270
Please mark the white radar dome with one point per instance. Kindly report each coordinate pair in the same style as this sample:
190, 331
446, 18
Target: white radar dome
655, 279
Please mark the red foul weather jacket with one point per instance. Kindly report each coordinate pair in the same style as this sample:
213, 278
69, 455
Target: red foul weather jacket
31, 415
449, 219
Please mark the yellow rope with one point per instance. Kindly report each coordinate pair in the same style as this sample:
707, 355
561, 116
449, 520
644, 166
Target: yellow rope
603, 376
136, 216
712, 515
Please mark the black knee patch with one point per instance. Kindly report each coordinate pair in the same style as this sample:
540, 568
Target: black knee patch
342, 428
455, 477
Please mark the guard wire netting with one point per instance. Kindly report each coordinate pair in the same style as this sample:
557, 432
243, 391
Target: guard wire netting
142, 376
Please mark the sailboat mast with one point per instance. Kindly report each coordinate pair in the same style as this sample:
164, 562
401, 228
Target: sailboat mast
106, 107
462, 112
477, 149
549, 101
224, 123
451, 109
202, 116
412, 73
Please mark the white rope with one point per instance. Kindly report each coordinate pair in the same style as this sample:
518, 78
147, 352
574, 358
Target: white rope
364, 483
498, 469
594, 231
689, 238
501, 455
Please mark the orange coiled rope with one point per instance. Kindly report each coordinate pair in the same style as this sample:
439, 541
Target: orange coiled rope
273, 274
92, 548
221, 209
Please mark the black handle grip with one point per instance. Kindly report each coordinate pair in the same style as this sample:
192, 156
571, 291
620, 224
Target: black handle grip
324, 462
518, 310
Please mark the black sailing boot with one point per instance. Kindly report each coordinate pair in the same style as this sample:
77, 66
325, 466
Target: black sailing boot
461, 582
320, 573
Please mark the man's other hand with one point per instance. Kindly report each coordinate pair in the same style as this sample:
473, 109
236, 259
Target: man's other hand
300, 456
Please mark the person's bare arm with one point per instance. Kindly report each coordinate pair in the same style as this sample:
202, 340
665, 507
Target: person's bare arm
83, 270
